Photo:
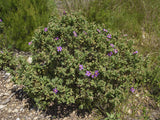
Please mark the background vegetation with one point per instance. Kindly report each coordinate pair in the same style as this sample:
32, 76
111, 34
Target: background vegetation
21, 18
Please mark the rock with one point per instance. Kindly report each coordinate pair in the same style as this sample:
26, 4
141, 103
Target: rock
137, 95
15, 110
129, 111
9, 85
8, 74
2, 106
18, 119
9, 110
29, 60
35, 118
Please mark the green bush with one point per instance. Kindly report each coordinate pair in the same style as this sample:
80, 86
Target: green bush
79, 62
7, 60
1, 26
22, 17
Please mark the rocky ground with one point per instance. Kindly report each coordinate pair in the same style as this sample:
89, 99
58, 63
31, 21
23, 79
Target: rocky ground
15, 105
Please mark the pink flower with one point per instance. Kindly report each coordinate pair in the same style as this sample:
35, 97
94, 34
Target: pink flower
135, 52
105, 30
112, 45
110, 54
98, 30
85, 32
64, 13
30, 43
75, 34
88, 73
132, 90
96, 73
80, 67
59, 48
109, 36
55, 90
57, 38
115, 51
45, 29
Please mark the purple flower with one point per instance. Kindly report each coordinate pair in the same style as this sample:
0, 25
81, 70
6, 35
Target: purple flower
64, 13
88, 73
109, 36
85, 32
132, 90
1, 51
55, 90
80, 67
98, 30
135, 52
92, 76
125, 35
45, 29
75, 34
105, 30
96, 73
30, 43
59, 48
115, 51
0, 20
57, 38
112, 45
110, 54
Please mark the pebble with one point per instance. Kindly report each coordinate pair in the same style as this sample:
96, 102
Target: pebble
9, 110
29, 60
129, 111
2, 106
137, 95
18, 119
35, 118
15, 110
8, 74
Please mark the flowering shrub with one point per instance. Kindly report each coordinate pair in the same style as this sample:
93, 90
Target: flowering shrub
79, 62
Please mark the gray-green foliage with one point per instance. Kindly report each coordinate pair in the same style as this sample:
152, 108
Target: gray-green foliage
7, 60
119, 66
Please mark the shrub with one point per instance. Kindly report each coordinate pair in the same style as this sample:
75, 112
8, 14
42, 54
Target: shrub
1, 26
79, 62
22, 17
7, 60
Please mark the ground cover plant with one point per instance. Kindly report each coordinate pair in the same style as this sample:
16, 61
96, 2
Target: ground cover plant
74, 61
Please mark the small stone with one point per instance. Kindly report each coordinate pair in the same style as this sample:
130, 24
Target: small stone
29, 60
8, 74
137, 95
15, 110
2, 106
9, 110
35, 118
21, 110
18, 119
129, 111
9, 85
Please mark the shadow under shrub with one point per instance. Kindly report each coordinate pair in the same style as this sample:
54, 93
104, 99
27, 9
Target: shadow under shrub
74, 61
